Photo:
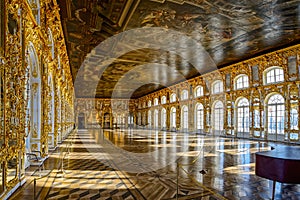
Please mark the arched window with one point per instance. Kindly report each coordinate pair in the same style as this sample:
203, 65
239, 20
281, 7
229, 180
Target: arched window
243, 116
173, 117
184, 95
241, 81
155, 101
218, 116
163, 100
198, 91
173, 98
149, 103
199, 116
273, 75
275, 117
163, 118
217, 87
184, 117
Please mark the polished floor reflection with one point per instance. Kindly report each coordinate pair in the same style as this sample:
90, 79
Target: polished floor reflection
144, 164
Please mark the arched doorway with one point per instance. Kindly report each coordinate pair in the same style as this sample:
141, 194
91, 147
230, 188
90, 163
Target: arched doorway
173, 119
106, 120
199, 117
130, 120
275, 117
242, 118
81, 121
184, 118
218, 117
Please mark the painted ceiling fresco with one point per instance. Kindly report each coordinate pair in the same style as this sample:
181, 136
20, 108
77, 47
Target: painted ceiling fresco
129, 48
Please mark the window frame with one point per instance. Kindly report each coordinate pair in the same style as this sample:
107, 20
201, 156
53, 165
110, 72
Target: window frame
198, 89
277, 76
219, 89
173, 98
184, 95
244, 83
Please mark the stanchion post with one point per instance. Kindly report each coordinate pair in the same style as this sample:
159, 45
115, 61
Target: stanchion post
34, 188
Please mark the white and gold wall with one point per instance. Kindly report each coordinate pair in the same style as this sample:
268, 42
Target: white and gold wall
36, 86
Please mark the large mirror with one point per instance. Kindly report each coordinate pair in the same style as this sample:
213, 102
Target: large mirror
1, 110
12, 166
2, 27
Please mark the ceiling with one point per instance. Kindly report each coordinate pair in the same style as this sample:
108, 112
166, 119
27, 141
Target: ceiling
130, 48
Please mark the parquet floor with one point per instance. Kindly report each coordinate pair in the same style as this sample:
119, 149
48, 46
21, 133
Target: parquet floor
153, 165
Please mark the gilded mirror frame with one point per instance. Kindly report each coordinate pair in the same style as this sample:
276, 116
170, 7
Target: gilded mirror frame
2, 27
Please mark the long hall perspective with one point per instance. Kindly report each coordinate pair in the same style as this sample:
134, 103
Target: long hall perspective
149, 99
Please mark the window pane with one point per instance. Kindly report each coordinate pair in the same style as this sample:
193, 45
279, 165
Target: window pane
184, 95
276, 115
163, 100
217, 87
274, 76
199, 91
243, 115
218, 116
199, 117
242, 82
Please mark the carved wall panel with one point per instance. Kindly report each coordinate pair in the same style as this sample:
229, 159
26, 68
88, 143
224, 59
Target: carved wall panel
23, 84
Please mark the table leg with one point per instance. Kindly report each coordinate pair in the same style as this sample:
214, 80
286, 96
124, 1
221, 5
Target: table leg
273, 192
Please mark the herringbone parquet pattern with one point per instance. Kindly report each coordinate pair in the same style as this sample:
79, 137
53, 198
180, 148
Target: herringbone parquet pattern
221, 168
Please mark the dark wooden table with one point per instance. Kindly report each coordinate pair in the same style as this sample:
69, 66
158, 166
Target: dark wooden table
281, 164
